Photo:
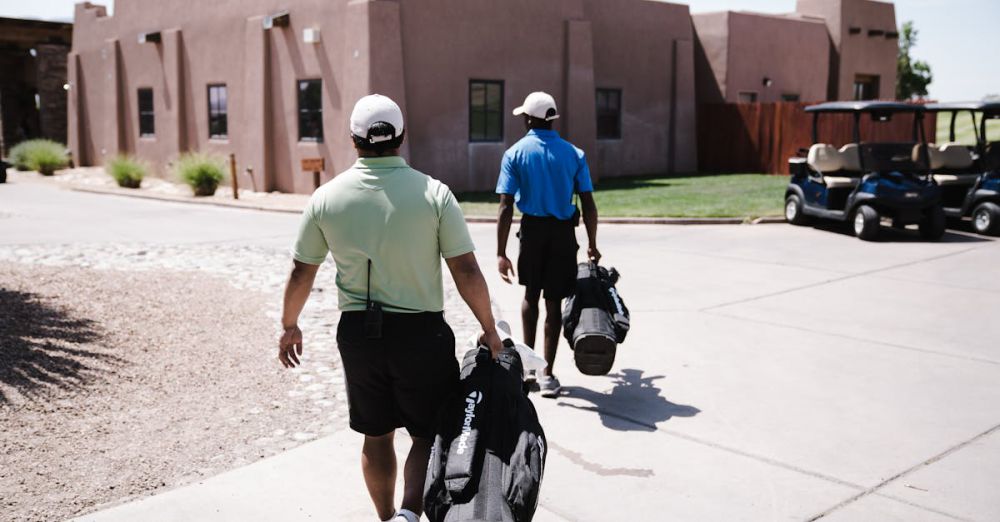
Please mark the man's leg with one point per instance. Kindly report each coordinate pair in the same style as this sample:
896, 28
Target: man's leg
414, 473
529, 314
378, 463
553, 324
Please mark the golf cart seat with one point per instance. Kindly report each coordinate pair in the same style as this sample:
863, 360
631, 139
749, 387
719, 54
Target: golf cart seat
850, 157
949, 156
827, 160
824, 158
956, 179
833, 182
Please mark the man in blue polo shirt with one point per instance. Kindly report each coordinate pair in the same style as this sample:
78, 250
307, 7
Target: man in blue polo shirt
540, 174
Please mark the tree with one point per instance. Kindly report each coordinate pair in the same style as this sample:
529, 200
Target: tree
912, 76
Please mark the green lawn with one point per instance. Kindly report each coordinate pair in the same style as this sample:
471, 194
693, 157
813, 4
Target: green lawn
704, 195
964, 129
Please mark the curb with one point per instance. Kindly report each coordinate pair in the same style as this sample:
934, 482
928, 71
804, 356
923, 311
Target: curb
470, 219
129, 193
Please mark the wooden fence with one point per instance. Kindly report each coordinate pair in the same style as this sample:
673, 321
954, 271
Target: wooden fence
760, 137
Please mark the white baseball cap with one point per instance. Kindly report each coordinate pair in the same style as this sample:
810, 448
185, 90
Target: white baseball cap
373, 109
537, 104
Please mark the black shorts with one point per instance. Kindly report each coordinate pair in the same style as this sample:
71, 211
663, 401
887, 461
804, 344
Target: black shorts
547, 261
403, 378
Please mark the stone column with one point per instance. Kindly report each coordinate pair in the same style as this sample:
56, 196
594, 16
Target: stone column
385, 63
175, 135
683, 153
113, 118
254, 136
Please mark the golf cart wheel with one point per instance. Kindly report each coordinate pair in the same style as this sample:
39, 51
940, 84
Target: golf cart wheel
793, 210
986, 219
933, 227
866, 223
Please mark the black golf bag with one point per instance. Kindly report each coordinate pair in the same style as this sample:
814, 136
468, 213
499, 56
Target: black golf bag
595, 319
488, 456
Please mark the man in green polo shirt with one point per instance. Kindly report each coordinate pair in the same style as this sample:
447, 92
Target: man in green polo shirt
388, 226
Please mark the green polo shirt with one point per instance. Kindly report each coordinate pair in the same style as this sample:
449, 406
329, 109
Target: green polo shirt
404, 221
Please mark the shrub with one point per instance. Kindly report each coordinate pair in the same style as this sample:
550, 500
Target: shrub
45, 156
127, 171
202, 172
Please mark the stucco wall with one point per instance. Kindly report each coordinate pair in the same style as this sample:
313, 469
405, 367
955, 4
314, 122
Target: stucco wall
792, 53
711, 55
658, 94
860, 53
420, 52
223, 43
741, 49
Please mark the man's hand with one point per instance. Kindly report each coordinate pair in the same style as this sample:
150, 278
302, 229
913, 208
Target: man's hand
506, 269
290, 347
492, 341
593, 253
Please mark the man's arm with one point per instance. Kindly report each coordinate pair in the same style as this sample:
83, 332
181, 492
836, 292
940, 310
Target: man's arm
300, 283
472, 287
504, 219
590, 221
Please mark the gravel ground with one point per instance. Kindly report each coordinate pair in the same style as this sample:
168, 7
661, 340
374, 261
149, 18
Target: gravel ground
128, 369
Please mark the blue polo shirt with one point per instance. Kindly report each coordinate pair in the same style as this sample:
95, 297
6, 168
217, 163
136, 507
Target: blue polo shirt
541, 171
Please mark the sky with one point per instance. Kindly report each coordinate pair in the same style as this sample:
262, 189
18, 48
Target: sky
954, 36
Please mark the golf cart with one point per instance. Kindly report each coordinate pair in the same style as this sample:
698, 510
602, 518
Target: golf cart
862, 182
969, 174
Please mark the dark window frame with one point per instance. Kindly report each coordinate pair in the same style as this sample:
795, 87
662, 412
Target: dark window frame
753, 95
310, 113
866, 87
218, 113
608, 113
147, 116
498, 113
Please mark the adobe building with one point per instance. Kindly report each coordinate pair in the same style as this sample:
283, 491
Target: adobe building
32, 80
864, 46
751, 57
825, 50
274, 82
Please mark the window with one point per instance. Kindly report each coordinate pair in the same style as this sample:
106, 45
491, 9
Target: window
218, 111
310, 110
485, 110
865, 87
147, 124
747, 97
790, 97
609, 114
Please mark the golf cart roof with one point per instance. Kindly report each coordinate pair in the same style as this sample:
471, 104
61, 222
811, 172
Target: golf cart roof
865, 106
991, 107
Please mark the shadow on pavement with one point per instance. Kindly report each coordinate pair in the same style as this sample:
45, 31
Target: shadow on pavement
895, 235
634, 404
41, 346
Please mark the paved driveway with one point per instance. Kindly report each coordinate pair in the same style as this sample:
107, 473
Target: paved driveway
773, 373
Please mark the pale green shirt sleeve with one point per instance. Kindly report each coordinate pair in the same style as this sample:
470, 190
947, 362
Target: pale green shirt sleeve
453, 233
310, 247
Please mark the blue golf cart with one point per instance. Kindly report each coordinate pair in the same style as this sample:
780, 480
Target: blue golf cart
969, 174
863, 182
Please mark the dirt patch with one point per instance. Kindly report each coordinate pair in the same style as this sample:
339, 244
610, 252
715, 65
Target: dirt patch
116, 384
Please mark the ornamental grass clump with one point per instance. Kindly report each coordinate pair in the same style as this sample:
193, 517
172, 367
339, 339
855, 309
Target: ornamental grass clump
127, 171
44, 156
202, 172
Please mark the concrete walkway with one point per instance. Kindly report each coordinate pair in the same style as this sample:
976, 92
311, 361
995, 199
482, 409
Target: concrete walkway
773, 373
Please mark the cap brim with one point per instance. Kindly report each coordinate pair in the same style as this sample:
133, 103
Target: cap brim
553, 117
519, 111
